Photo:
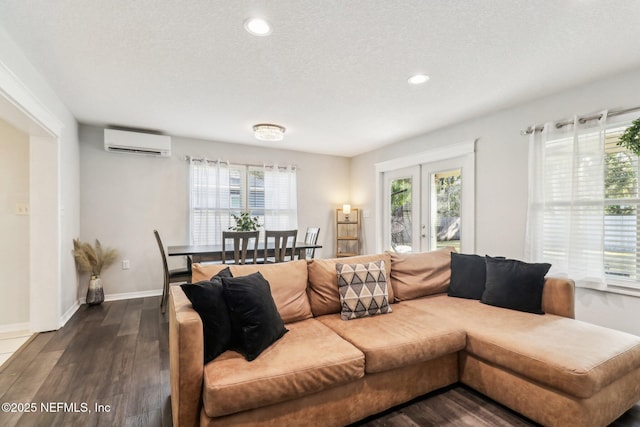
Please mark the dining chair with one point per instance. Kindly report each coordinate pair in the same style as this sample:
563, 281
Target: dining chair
311, 238
241, 246
281, 245
177, 275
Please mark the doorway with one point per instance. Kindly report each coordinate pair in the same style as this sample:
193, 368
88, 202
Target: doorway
428, 205
22, 110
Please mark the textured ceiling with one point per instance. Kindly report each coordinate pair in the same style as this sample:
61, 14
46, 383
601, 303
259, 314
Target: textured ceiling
333, 72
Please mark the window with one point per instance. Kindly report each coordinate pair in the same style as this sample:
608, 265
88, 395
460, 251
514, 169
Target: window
220, 190
583, 205
621, 212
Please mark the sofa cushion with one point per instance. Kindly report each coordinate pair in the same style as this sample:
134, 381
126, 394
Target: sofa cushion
401, 338
575, 357
468, 275
416, 275
288, 282
323, 282
308, 359
363, 289
201, 272
514, 284
208, 300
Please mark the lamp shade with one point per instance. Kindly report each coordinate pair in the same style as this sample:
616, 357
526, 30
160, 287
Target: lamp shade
346, 209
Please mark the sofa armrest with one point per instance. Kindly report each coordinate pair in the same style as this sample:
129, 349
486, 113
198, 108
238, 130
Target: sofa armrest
558, 297
186, 359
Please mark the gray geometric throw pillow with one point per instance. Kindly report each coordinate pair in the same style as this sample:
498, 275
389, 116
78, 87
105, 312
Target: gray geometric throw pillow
363, 289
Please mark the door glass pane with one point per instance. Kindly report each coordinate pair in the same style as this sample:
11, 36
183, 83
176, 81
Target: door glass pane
446, 189
401, 214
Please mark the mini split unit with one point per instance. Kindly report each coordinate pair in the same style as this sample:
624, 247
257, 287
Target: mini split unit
147, 144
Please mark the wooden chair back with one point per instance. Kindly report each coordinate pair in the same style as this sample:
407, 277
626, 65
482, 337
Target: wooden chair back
281, 244
170, 276
164, 256
311, 237
241, 248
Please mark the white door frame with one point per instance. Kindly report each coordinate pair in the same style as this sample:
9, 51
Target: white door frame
20, 108
464, 149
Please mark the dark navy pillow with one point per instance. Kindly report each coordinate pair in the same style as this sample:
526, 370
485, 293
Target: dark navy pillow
514, 284
255, 321
468, 275
207, 299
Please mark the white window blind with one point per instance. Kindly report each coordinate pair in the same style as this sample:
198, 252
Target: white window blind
280, 198
219, 190
583, 204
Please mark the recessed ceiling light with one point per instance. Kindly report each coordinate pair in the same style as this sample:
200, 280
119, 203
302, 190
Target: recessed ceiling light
418, 79
268, 132
257, 27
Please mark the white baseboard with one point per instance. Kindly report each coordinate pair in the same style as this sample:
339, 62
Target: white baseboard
127, 295
132, 295
67, 315
15, 327
110, 297
20, 327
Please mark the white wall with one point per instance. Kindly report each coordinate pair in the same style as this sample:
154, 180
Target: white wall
501, 178
14, 229
125, 197
36, 85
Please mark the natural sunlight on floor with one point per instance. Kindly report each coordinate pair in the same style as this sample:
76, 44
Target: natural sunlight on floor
10, 342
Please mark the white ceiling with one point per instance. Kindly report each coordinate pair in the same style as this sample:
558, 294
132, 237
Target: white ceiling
333, 72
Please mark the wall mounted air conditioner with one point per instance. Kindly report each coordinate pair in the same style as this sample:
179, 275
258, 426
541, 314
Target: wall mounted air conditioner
148, 144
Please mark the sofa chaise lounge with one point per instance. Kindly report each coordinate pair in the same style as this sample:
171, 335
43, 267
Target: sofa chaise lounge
327, 371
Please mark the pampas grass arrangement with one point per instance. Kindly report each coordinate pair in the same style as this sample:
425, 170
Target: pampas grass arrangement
92, 259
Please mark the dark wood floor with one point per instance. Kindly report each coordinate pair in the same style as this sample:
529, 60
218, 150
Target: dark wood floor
458, 406
116, 355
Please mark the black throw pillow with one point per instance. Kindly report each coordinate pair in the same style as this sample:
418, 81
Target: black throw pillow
207, 299
255, 321
468, 276
514, 284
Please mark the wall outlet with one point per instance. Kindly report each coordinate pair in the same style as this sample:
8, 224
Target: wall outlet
125, 264
22, 209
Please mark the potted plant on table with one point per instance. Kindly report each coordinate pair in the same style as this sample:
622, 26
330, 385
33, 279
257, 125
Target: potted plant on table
245, 222
92, 260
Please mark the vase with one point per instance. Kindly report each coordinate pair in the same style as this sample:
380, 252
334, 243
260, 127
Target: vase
95, 293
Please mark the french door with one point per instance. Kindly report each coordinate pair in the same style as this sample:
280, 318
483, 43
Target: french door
430, 206
402, 210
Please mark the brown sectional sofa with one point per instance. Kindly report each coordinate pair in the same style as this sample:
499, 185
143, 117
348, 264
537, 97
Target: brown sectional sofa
329, 372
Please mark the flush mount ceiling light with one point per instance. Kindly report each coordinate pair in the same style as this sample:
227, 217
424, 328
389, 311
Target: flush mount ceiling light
257, 27
268, 132
418, 79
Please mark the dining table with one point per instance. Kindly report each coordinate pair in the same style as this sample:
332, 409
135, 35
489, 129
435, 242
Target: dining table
205, 253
